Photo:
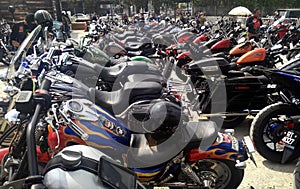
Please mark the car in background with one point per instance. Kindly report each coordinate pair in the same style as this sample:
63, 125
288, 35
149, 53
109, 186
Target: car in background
289, 14
80, 17
111, 16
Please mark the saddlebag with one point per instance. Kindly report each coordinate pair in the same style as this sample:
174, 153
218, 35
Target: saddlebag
84, 167
159, 117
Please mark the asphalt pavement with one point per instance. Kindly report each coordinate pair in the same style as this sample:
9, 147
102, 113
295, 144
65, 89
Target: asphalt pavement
266, 175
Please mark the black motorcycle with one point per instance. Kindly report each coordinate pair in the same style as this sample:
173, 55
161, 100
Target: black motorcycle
226, 94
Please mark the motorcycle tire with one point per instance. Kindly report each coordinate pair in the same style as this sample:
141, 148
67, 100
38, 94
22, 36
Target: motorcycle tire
7, 135
260, 124
227, 176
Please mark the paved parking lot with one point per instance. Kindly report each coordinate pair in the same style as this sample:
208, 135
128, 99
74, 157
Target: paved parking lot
266, 175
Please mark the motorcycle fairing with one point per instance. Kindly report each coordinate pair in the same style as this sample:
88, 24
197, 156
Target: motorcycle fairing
290, 80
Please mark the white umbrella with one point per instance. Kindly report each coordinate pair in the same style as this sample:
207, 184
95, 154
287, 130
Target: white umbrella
240, 11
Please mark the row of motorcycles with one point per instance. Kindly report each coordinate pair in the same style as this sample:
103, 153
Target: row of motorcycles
116, 109
106, 118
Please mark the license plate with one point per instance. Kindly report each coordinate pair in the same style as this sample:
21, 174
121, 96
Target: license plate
290, 139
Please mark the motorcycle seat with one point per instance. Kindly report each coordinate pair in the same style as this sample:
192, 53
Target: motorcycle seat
263, 79
122, 70
235, 73
124, 35
110, 73
145, 77
197, 66
186, 137
117, 101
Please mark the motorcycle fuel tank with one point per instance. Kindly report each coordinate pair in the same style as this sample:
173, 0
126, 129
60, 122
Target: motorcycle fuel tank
90, 124
256, 55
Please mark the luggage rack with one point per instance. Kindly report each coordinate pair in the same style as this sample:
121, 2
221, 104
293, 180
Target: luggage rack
179, 86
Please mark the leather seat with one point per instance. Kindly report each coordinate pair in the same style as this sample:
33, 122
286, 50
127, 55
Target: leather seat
235, 73
125, 69
186, 137
146, 77
124, 35
120, 70
110, 73
117, 101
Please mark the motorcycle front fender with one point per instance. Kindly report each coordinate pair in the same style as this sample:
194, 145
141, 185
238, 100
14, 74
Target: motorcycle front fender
226, 149
3, 152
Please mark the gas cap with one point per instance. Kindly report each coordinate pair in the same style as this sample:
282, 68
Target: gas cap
71, 158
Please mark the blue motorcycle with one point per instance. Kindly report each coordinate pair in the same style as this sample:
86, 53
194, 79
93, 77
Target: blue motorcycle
275, 129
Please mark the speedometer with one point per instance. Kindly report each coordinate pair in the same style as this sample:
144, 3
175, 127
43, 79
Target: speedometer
75, 106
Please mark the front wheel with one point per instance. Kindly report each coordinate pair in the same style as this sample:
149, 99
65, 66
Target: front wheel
267, 130
221, 174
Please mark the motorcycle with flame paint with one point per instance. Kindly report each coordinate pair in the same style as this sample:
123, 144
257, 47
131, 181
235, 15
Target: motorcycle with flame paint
161, 150
173, 154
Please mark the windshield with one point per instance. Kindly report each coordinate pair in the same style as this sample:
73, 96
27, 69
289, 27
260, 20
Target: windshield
22, 50
95, 55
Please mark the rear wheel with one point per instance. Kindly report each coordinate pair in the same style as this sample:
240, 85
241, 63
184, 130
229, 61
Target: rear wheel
222, 174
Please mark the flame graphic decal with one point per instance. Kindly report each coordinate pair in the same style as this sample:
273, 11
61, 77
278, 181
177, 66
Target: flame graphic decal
217, 151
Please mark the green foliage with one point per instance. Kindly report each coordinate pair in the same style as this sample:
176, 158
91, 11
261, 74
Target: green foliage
226, 5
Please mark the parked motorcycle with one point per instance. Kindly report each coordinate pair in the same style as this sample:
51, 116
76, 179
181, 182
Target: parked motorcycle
5, 53
48, 124
82, 122
275, 129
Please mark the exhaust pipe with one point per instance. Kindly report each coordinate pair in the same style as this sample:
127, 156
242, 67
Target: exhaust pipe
227, 114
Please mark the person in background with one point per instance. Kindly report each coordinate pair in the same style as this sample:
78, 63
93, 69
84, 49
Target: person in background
94, 16
202, 18
66, 21
141, 18
253, 23
21, 29
125, 19
182, 19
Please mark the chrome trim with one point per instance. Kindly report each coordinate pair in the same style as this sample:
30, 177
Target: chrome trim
240, 165
74, 126
130, 106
